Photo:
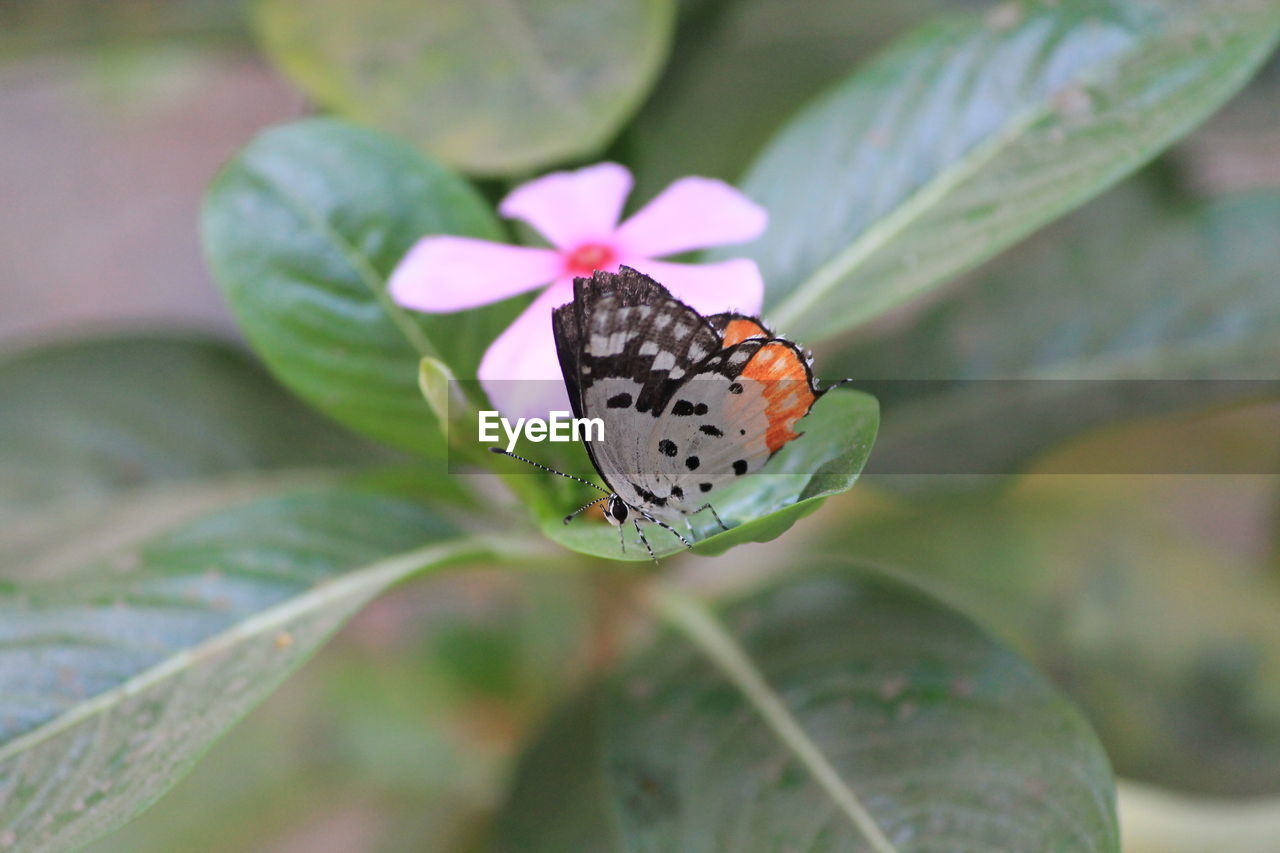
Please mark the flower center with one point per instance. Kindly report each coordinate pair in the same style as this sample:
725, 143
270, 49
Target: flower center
590, 257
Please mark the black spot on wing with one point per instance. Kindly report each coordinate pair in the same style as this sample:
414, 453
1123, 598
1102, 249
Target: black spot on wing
667, 446
677, 492
700, 409
619, 401
708, 429
704, 487
740, 467
692, 463
682, 408
735, 388
649, 497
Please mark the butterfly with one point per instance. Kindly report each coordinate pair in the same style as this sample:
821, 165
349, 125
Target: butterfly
689, 402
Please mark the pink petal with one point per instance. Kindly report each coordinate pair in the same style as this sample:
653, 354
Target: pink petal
520, 371
452, 273
710, 288
692, 213
571, 208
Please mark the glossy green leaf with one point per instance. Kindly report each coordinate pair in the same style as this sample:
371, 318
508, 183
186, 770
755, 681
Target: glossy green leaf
948, 740
974, 131
131, 634
1125, 289
104, 439
422, 700
115, 679
92, 418
492, 88
835, 441
301, 230
782, 52
1167, 640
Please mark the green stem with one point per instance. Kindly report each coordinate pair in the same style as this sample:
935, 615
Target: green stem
699, 624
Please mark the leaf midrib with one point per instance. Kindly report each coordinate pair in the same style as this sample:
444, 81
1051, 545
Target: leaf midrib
700, 626
910, 210
918, 203
357, 260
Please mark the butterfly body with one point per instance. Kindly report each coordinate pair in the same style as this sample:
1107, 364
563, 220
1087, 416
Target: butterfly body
689, 402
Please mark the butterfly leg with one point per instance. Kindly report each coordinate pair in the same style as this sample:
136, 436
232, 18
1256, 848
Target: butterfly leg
640, 533
714, 514
665, 526
622, 540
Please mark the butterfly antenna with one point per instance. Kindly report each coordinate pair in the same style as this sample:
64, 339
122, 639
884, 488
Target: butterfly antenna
505, 452
568, 518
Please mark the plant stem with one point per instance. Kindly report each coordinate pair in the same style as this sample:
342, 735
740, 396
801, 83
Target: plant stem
699, 624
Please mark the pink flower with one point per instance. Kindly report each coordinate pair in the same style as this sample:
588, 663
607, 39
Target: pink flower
577, 212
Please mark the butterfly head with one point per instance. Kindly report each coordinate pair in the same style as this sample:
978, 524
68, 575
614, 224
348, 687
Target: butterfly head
616, 510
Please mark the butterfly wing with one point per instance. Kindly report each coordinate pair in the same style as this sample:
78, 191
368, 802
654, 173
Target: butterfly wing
734, 328
625, 345
727, 420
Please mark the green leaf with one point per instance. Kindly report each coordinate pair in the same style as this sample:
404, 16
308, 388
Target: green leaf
493, 88
948, 739
423, 700
1125, 289
434, 377
113, 681
835, 441
301, 230
782, 52
113, 624
92, 418
103, 439
1167, 640
34, 28
974, 131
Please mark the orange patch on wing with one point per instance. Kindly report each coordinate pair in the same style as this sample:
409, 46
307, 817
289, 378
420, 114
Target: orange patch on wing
740, 329
785, 383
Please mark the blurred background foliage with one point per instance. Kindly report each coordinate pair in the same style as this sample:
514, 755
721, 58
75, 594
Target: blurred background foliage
1154, 601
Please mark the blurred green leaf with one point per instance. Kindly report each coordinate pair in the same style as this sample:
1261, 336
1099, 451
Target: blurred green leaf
495, 88
782, 52
836, 439
972, 132
105, 439
301, 230
397, 736
947, 738
92, 418
39, 26
1125, 289
1170, 644
114, 680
